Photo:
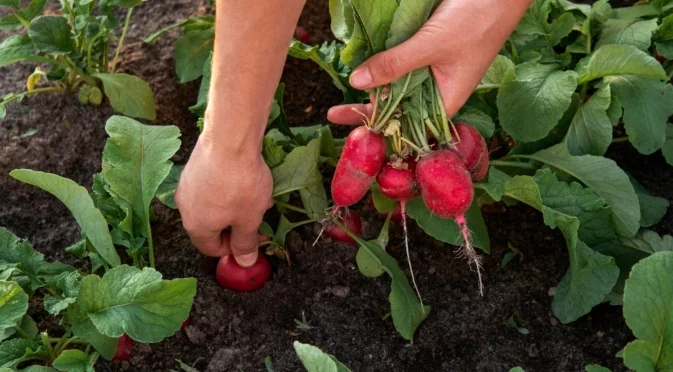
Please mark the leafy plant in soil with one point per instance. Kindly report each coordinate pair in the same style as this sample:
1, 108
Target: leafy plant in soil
76, 47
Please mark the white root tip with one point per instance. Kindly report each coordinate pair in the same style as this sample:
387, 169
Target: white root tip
473, 259
403, 212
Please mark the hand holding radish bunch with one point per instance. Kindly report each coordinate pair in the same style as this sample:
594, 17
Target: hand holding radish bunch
405, 114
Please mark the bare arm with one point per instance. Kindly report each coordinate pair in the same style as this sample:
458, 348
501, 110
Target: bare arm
226, 182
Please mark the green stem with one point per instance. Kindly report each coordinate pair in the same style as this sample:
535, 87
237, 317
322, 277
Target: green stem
513, 164
106, 52
94, 359
89, 51
515, 52
422, 137
390, 112
127, 21
47, 344
150, 245
23, 21
589, 42
290, 207
432, 128
376, 104
75, 341
442, 112
21, 332
412, 145
32, 93
620, 139
79, 71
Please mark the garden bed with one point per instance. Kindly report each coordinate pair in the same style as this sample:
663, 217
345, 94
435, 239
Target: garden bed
346, 311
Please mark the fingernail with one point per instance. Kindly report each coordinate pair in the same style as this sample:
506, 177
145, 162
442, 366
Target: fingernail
247, 260
361, 78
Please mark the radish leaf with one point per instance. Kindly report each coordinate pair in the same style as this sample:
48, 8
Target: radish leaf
299, 170
73, 361
129, 95
604, 177
84, 328
15, 351
667, 148
532, 98
18, 48
76, 198
13, 306
315, 360
136, 302
591, 129
648, 310
166, 191
51, 35
647, 105
628, 32
596, 368
409, 17
192, 50
370, 30
612, 60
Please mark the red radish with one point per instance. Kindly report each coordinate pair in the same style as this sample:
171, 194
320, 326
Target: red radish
242, 279
447, 191
187, 322
352, 222
301, 34
472, 149
361, 159
397, 180
659, 57
124, 348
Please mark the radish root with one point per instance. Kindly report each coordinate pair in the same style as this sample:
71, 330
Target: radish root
468, 251
403, 211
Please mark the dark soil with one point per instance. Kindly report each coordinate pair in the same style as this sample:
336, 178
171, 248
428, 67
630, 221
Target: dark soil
230, 331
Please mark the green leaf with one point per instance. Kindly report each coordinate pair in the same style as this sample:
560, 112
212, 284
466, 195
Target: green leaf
166, 191
612, 60
34, 369
516, 369
561, 27
272, 153
532, 98
495, 74
129, 95
52, 35
535, 20
630, 32
315, 360
667, 148
29, 327
192, 50
138, 303
73, 361
136, 161
409, 17
495, 185
596, 368
647, 105
76, 198
652, 208
68, 284
664, 37
13, 306
314, 198
591, 275
10, 3
299, 170
591, 129
405, 307
343, 19
327, 58
370, 30
477, 119
83, 328
199, 107
648, 311
18, 48
446, 230
13, 352
604, 177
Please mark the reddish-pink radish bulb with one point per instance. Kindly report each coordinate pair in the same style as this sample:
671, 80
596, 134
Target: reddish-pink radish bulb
301, 34
398, 181
124, 348
445, 184
352, 221
242, 279
472, 150
361, 159
184, 324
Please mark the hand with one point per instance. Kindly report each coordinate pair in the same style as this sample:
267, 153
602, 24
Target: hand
221, 188
458, 42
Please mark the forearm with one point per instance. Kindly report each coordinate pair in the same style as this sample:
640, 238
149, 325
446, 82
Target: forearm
251, 42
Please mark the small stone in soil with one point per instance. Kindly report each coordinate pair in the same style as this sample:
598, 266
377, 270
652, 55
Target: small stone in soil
340, 291
223, 360
195, 335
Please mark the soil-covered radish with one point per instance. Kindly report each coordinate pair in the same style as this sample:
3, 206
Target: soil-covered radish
447, 191
124, 348
361, 159
472, 150
397, 180
243, 279
301, 34
352, 221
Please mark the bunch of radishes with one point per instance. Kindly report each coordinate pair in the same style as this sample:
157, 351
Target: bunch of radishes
430, 157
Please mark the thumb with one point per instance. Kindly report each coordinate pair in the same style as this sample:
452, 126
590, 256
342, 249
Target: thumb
245, 244
392, 64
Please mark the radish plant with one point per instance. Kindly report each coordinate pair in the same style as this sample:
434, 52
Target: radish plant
78, 52
101, 314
